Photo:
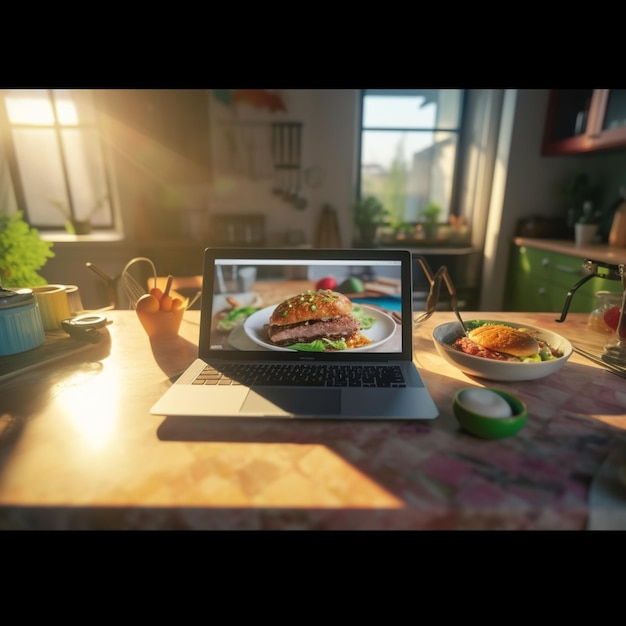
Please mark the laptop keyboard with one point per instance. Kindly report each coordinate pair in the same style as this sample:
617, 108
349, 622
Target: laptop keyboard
307, 375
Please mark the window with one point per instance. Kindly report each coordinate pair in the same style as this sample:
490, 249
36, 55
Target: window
55, 158
409, 146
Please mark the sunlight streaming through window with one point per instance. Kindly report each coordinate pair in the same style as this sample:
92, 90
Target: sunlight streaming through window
29, 110
58, 158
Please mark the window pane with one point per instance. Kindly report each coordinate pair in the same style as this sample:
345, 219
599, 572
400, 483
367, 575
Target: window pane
40, 168
74, 106
379, 148
398, 112
59, 157
86, 176
29, 106
449, 108
412, 108
8, 201
407, 170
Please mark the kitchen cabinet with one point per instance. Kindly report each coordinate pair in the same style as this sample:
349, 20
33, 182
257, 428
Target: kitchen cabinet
539, 280
584, 120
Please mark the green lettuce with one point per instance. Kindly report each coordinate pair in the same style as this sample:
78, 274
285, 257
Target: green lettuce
320, 345
367, 321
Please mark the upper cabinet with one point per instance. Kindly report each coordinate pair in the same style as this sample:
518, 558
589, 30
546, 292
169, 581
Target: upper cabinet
584, 120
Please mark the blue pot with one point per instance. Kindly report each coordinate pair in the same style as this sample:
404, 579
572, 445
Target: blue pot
21, 328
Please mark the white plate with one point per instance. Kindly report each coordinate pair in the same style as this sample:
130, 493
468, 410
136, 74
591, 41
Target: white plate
382, 329
446, 334
239, 340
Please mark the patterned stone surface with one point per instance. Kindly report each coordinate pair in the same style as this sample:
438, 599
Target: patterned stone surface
79, 450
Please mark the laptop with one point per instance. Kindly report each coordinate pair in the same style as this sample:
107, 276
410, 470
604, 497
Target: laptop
258, 359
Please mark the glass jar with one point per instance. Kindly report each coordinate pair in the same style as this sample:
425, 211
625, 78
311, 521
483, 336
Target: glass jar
604, 301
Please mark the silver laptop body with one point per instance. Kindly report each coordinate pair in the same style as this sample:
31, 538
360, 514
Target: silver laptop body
240, 290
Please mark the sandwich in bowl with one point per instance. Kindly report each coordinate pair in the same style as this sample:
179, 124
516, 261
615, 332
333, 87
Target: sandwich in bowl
505, 343
316, 321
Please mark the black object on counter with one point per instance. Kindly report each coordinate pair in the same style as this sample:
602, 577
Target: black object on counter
541, 227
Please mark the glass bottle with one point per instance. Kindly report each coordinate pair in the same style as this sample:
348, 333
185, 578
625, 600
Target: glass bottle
604, 301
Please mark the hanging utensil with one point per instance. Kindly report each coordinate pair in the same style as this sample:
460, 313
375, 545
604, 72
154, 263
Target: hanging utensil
277, 153
294, 160
297, 195
289, 152
299, 199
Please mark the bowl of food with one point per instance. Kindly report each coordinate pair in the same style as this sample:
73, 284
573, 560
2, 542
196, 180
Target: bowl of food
489, 413
502, 351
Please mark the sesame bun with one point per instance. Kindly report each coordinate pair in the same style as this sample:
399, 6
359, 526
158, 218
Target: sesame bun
311, 305
500, 338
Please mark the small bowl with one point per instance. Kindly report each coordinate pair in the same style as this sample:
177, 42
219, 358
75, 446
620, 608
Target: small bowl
491, 427
446, 334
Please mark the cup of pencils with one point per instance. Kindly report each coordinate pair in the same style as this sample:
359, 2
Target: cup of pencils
160, 314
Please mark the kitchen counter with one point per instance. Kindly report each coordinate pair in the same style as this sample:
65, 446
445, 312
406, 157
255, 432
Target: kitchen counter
80, 450
595, 252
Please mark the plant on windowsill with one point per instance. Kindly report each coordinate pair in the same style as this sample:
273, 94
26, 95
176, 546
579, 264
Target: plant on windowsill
75, 226
369, 214
22, 252
430, 219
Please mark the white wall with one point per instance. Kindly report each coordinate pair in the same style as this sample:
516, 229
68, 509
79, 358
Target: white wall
329, 158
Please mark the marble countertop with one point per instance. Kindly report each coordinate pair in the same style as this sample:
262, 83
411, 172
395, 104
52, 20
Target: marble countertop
79, 449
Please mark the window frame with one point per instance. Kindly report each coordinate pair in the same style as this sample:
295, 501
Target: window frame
455, 192
7, 127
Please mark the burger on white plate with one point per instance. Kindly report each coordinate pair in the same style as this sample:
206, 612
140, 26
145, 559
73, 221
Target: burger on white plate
318, 321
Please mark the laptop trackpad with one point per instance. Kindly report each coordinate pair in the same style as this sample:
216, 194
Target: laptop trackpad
271, 401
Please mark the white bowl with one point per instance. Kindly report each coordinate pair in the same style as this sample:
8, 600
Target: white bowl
445, 335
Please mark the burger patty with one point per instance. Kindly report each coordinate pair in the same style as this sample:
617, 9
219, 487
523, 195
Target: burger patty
337, 328
464, 344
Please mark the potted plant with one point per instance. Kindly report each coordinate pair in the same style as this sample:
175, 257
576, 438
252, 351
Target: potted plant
586, 227
22, 252
430, 218
369, 214
73, 225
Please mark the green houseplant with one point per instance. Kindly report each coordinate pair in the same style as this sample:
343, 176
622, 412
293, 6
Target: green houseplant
22, 252
369, 214
430, 218
75, 226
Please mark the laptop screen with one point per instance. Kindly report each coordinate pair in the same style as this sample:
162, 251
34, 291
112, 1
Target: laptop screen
313, 304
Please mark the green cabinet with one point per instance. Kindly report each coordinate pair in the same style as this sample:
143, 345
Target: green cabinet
539, 280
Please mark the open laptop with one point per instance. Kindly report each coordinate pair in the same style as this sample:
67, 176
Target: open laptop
239, 355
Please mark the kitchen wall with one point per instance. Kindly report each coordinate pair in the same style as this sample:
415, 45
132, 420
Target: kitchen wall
244, 175
524, 183
147, 178
505, 179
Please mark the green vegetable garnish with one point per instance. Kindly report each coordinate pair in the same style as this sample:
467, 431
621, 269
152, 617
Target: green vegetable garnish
533, 358
366, 320
320, 345
235, 318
